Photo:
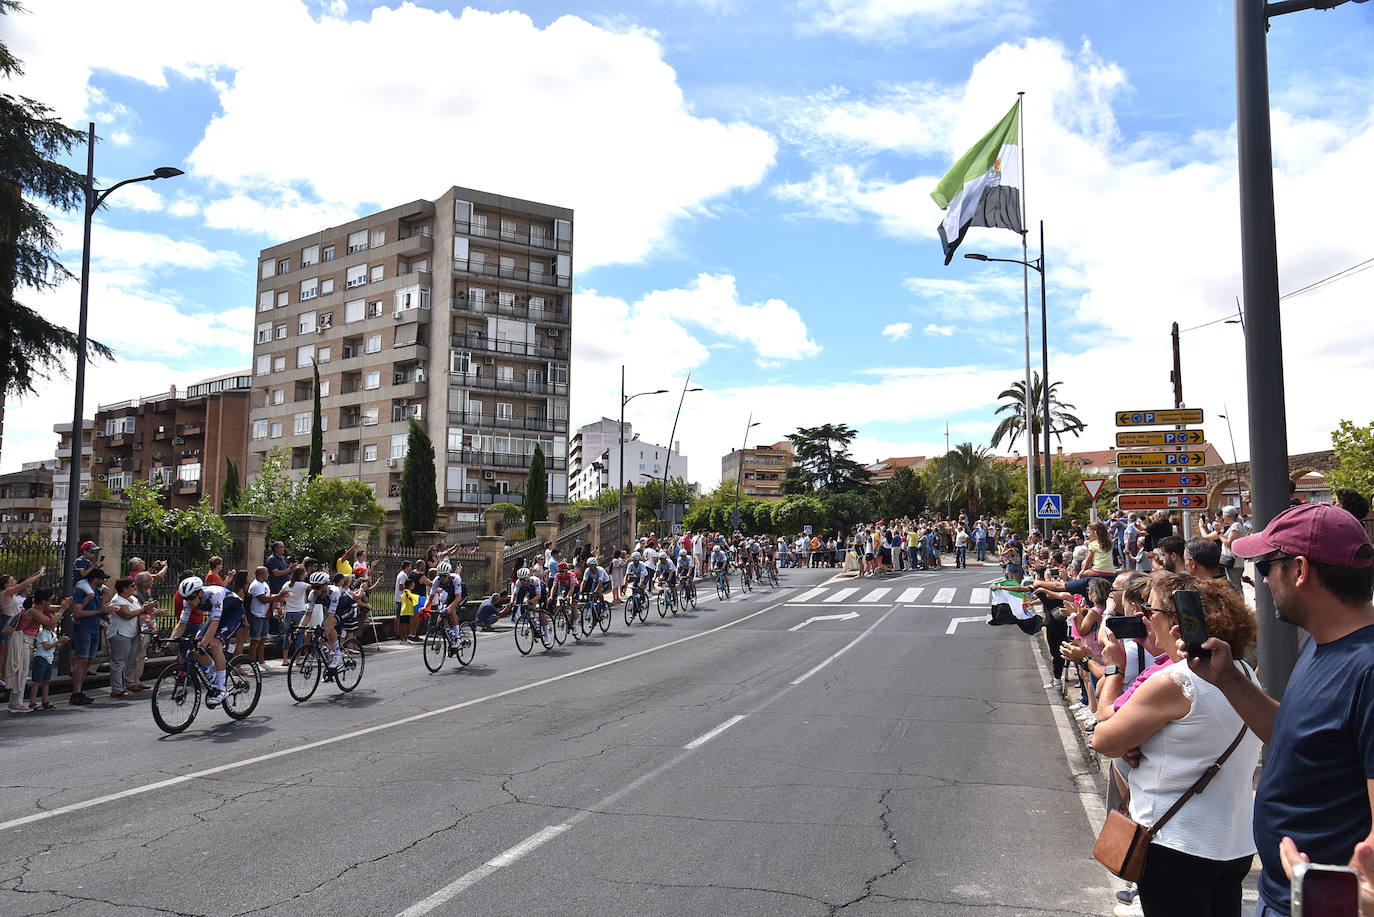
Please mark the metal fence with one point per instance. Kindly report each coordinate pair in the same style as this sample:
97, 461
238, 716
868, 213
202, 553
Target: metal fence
23, 556
568, 541
610, 535
520, 555
465, 533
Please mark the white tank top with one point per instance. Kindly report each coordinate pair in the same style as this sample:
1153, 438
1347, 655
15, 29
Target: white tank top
12, 607
1216, 823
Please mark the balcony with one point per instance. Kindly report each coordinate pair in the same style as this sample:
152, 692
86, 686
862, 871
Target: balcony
518, 386
186, 487
121, 439
414, 244
66, 451
194, 428
477, 421
483, 231
517, 460
549, 314
473, 498
481, 342
519, 275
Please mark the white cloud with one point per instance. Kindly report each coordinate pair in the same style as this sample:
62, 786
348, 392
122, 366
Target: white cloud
773, 328
843, 193
137, 197
933, 330
897, 330
908, 118
930, 20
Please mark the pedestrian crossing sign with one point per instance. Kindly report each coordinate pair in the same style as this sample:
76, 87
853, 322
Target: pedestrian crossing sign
1049, 506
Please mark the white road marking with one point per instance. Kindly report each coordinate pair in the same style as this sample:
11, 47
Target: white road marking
980, 596
844, 617
381, 727
841, 595
945, 596
957, 621
702, 740
458, 886
846, 648
875, 595
910, 595
807, 596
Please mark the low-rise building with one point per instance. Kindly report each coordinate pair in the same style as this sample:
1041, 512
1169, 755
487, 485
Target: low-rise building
61, 474
759, 469
883, 469
26, 500
594, 459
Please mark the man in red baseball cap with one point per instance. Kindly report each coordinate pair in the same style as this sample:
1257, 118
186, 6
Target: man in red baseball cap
1317, 791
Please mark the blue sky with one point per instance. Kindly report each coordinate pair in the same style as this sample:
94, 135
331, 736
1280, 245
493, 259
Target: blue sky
752, 186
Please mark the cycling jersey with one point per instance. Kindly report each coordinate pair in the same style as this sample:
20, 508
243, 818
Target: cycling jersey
339, 604
638, 571
231, 616
596, 580
685, 563
531, 589
718, 557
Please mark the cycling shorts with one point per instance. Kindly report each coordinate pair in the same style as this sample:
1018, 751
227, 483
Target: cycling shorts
229, 624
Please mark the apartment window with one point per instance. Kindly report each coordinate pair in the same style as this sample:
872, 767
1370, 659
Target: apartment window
374, 343
279, 364
537, 235
326, 286
504, 411
307, 323
278, 396
276, 430
323, 354
324, 388
475, 409
508, 229
265, 299
460, 361
407, 335
300, 423
188, 472
370, 453
281, 332
354, 311
507, 266
304, 355
269, 269
536, 304
370, 416
372, 380
536, 269
376, 272
505, 374
558, 373
283, 266
265, 333
326, 320
310, 255
310, 288
357, 241
259, 429
398, 445
479, 224
421, 265
283, 299
264, 364
374, 309
357, 276
378, 238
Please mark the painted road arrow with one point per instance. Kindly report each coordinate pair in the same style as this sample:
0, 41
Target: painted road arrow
1158, 459
844, 617
1161, 481
1155, 418
957, 621
1162, 501
1132, 438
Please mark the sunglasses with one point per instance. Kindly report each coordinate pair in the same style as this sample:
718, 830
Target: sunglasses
1151, 610
1263, 564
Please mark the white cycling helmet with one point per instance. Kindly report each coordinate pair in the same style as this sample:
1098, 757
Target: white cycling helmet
636, 556
444, 568
190, 586
523, 573
319, 578
592, 561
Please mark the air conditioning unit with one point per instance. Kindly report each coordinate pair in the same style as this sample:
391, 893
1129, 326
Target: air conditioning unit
489, 476
101, 477
391, 463
489, 361
99, 434
334, 457
554, 333
99, 460
419, 375
178, 441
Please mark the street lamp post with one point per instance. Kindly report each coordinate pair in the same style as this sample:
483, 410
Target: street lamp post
1037, 265
1235, 460
620, 486
94, 198
669, 457
739, 473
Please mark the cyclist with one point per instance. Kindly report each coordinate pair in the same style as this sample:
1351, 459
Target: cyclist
222, 612
529, 590
639, 575
337, 612
686, 568
595, 582
447, 597
667, 577
720, 563
564, 583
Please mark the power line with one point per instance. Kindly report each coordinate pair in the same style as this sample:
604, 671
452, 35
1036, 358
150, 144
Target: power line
1345, 274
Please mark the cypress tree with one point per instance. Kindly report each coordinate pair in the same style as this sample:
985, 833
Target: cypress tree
231, 494
316, 434
419, 500
536, 493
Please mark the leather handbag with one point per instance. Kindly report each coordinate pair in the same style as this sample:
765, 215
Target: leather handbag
1123, 842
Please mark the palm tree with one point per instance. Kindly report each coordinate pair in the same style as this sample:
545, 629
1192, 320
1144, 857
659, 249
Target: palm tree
971, 476
1013, 426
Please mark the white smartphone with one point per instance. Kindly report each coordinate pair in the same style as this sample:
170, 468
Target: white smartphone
1325, 891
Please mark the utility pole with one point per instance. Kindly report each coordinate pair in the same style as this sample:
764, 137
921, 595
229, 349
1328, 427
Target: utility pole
1176, 377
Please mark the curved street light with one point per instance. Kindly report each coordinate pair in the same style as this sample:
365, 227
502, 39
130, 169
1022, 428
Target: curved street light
620, 485
667, 460
739, 472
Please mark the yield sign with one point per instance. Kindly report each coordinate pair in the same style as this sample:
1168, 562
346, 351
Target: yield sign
1093, 486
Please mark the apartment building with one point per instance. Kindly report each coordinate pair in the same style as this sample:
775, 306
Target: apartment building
454, 312
759, 469
26, 500
61, 475
594, 459
176, 440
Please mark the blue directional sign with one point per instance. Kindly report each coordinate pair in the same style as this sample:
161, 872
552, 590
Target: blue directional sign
1049, 506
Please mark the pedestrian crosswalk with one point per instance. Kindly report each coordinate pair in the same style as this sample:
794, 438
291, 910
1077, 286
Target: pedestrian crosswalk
953, 596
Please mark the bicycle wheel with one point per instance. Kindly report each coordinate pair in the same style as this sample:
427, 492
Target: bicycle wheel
436, 648
524, 635
587, 620
603, 615
630, 611
661, 602
545, 633
772, 577
676, 600
350, 672
643, 609
176, 698
722, 588
467, 643
242, 687
303, 674
558, 623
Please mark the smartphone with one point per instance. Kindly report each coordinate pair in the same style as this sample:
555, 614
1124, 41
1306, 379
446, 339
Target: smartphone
1127, 627
1325, 891
1192, 624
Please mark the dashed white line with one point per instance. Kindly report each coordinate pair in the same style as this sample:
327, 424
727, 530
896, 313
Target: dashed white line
703, 739
910, 595
980, 596
840, 595
945, 596
846, 648
806, 596
875, 595
458, 886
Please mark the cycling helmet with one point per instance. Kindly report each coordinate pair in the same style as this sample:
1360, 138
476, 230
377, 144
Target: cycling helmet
636, 556
444, 568
592, 561
523, 573
190, 586
319, 578
564, 566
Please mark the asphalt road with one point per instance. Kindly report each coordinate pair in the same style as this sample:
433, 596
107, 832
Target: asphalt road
722, 762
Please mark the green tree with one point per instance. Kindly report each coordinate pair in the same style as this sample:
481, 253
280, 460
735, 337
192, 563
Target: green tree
537, 492
231, 493
199, 528
316, 431
651, 498
794, 513
419, 499
513, 514
903, 494
846, 510
823, 461
969, 477
1354, 447
1013, 426
31, 140
310, 516
1068, 483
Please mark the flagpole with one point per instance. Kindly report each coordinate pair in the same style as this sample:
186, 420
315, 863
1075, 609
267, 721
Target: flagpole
1025, 283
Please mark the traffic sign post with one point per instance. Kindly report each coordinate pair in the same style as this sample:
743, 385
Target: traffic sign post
1094, 487
1160, 438
1049, 506
1162, 501
1159, 459
1158, 418
1161, 480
